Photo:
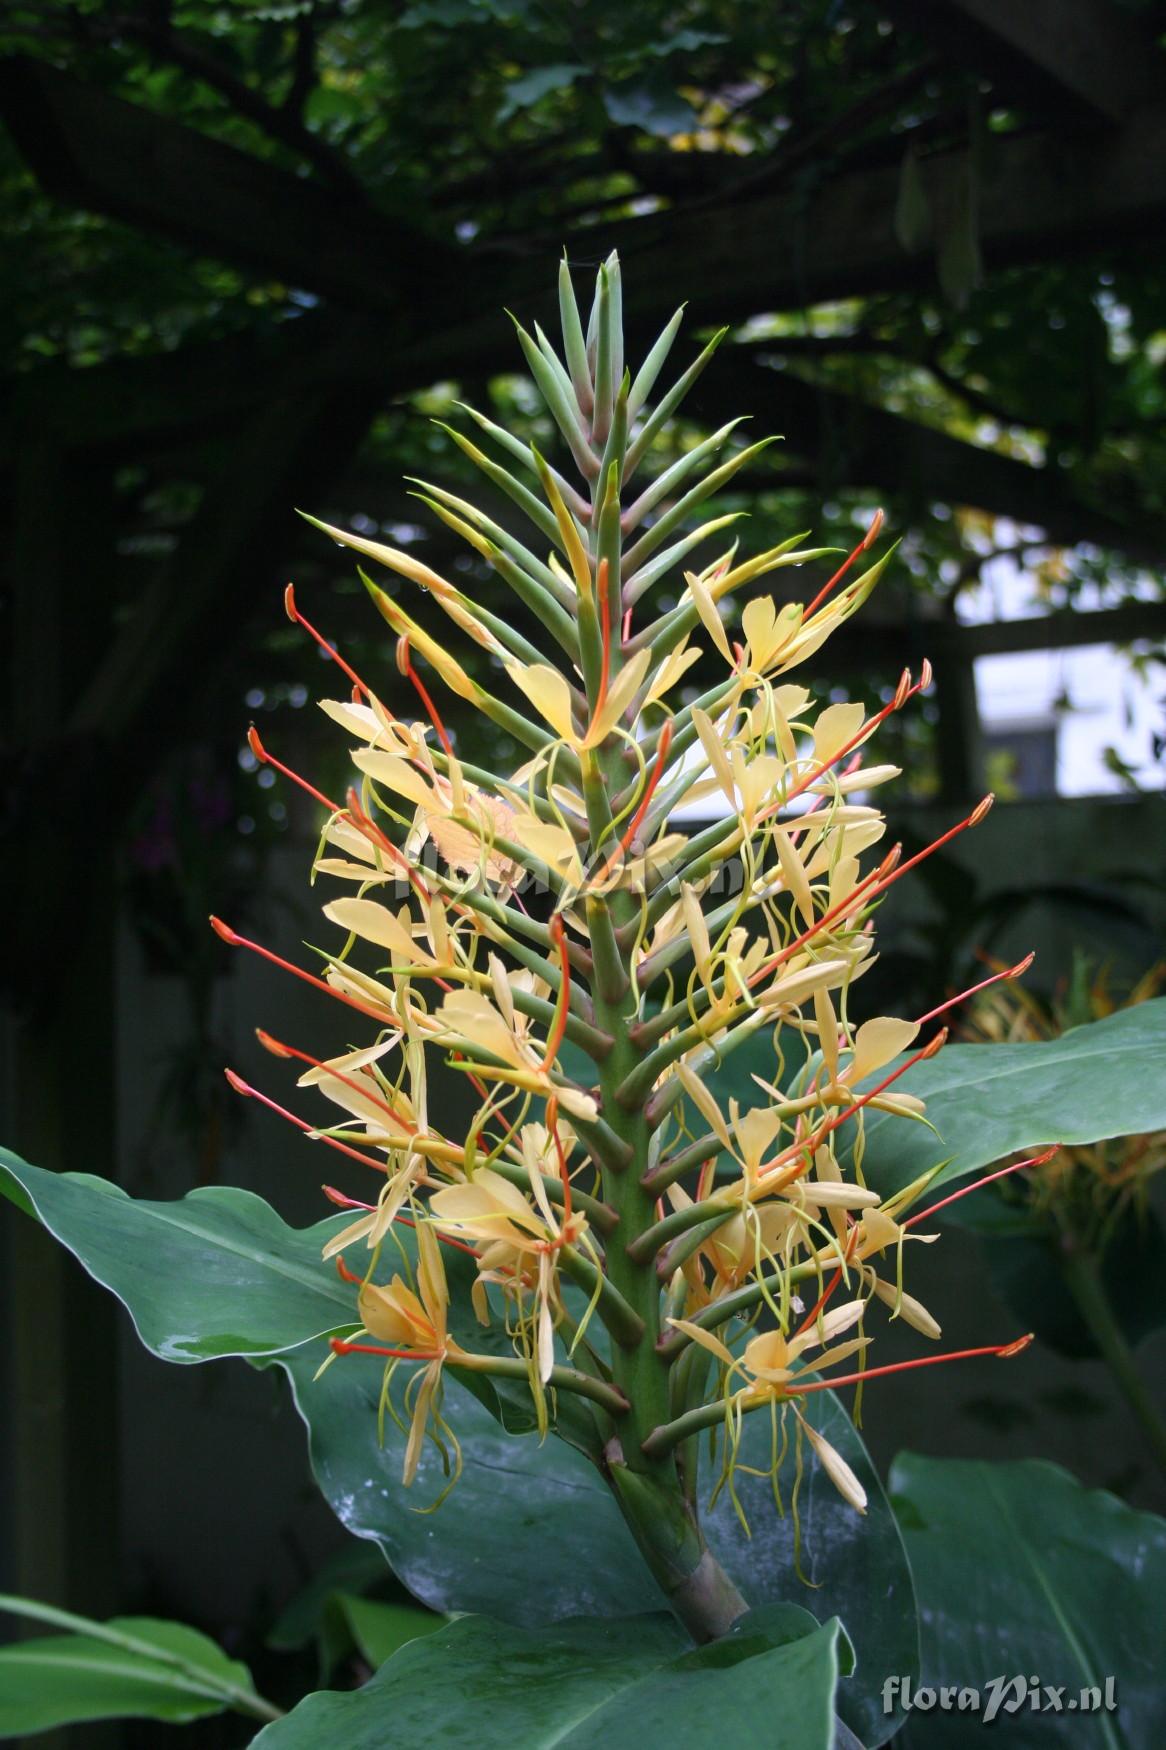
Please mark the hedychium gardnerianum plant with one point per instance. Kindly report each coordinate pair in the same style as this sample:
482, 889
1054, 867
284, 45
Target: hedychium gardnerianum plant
664, 1265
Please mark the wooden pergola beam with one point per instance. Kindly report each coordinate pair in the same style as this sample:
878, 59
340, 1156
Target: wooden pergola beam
1039, 194
105, 155
862, 445
1086, 60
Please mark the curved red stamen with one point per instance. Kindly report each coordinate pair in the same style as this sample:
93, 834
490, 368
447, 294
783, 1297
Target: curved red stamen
1016, 971
278, 1049
654, 776
237, 941
1003, 1350
405, 665
555, 1037
293, 614
867, 541
340, 1347
965, 1190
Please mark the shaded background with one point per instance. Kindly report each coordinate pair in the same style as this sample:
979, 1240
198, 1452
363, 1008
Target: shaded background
251, 253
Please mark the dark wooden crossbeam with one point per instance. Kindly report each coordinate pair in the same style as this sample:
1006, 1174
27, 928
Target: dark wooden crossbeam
1084, 60
1040, 195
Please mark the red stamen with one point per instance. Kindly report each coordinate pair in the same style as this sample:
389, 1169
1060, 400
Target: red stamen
859, 891
903, 692
267, 759
293, 614
343, 1202
867, 541
250, 1093
1016, 971
345, 1274
405, 665
875, 883
965, 1190
555, 1036
810, 1143
654, 776
237, 941
340, 1347
1003, 1350
812, 1315
278, 1049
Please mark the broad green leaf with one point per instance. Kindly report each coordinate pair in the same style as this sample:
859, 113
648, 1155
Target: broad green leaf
214, 1273
379, 1630
1021, 1571
198, 1284
538, 83
587, 1685
548, 1499
129, 1667
988, 1101
855, 1566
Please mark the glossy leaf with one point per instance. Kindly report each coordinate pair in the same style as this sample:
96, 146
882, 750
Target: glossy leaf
587, 1684
987, 1102
1021, 1571
222, 1247
549, 1499
130, 1667
214, 1273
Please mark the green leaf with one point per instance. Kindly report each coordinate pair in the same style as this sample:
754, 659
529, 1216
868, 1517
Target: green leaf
130, 1666
550, 1500
379, 1630
855, 1564
215, 1273
218, 1273
538, 83
584, 1684
1021, 1571
651, 104
988, 1101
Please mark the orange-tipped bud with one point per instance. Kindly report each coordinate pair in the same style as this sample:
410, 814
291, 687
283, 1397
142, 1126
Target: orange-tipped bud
343, 1202
981, 809
270, 1044
228, 935
256, 746
872, 534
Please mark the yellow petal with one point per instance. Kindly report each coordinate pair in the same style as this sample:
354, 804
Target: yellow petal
549, 693
704, 1338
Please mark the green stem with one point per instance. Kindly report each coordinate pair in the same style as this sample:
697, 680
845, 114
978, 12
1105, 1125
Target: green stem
570, 1379
1083, 1277
189, 1675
